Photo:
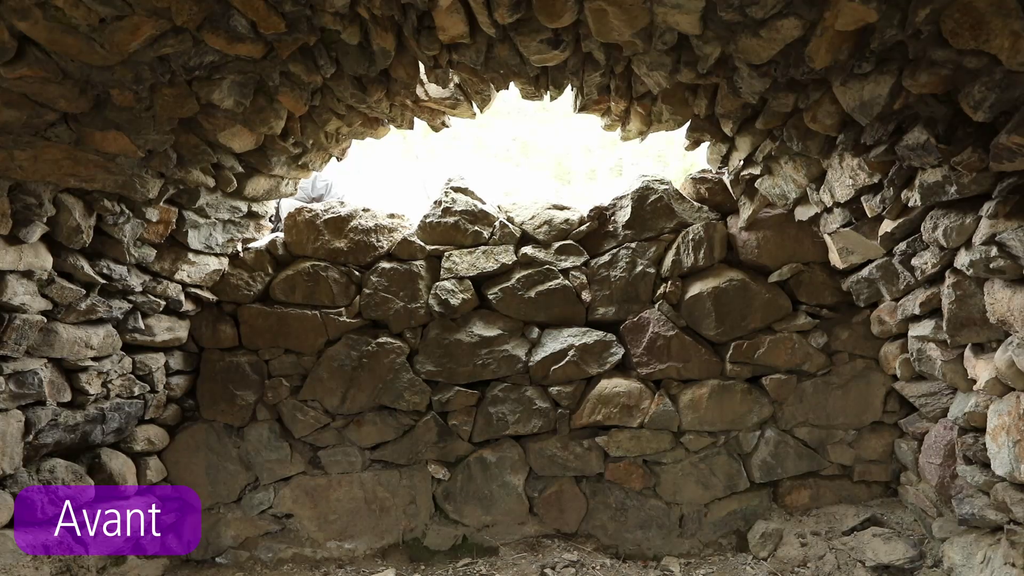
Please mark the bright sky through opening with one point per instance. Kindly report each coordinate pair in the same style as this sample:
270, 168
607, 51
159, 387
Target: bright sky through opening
518, 151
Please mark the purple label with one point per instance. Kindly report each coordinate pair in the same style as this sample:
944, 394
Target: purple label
107, 520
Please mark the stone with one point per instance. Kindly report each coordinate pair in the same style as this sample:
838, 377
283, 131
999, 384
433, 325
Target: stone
763, 538
1003, 437
758, 47
773, 239
1010, 498
721, 405
20, 294
477, 262
950, 226
880, 547
574, 454
850, 396
1006, 366
45, 383
343, 460
964, 314
942, 184
847, 249
314, 283
12, 433
701, 478
145, 439
778, 455
301, 420
1002, 303
864, 96
229, 386
541, 45
630, 473
993, 27
487, 488
104, 422
1005, 149
446, 398
429, 439
567, 354
937, 462
206, 458
659, 350
662, 414
613, 399
377, 374
651, 207
561, 505
816, 285
708, 297
17, 332
73, 223
708, 188
458, 217
493, 340
696, 248
452, 298
7, 508
213, 328
271, 326
175, 262
789, 177
780, 352
633, 522
396, 293
625, 442
561, 255
512, 410
811, 492
75, 341
538, 295
622, 281
266, 451
377, 427
158, 331
618, 24
396, 504
932, 397
342, 234
545, 223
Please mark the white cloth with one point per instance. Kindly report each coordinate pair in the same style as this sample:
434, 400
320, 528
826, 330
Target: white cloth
311, 191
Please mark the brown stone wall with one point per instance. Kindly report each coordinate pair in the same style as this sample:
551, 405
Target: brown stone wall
865, 154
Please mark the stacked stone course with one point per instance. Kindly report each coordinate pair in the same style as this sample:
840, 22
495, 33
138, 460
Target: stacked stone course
841, 289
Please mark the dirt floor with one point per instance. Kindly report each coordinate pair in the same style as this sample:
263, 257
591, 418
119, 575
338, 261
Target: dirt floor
816, 544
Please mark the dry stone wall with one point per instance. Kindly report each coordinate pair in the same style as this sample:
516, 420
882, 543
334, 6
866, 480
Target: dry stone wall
632, 374
852, 261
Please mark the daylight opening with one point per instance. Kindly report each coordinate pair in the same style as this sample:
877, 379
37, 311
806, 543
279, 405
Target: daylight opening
518, 151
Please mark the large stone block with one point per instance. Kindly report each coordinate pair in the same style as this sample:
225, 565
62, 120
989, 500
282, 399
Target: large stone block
487, 488
376, 373
567, 354
337, 232
494, 342
269, 326
850, 396
206, 457
229, 386
723, 303
393, 505
1004, 437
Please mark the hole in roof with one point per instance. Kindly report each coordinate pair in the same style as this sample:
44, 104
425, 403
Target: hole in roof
518, 151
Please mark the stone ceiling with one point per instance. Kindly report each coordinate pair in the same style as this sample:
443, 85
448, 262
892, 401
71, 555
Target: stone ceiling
145, 98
